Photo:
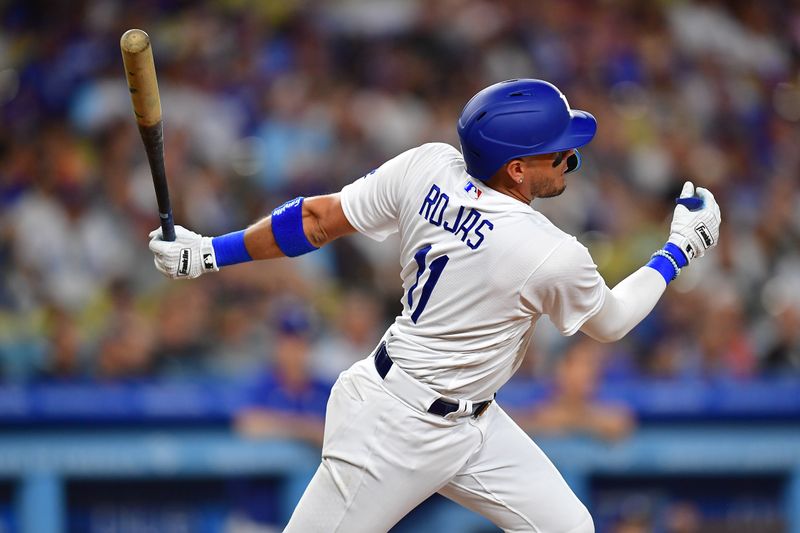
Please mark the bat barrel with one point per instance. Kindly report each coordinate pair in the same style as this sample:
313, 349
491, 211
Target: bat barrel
140, 70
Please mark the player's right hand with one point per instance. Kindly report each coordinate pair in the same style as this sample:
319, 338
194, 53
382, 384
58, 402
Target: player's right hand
188, 256
696, 231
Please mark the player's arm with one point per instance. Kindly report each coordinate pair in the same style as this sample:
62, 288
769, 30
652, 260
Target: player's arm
626, 305
323, 221
692, 232
299, 226
369, 205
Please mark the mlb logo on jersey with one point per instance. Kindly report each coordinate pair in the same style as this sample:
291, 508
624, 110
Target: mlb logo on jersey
473, 191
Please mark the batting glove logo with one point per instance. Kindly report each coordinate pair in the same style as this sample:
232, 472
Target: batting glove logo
185, 262
702, 231
208, 262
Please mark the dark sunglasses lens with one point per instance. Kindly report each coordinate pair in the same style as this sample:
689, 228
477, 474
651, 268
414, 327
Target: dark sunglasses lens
559, 158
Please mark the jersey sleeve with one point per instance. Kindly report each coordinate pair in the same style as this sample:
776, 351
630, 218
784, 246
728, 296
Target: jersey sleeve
567, 287
372, 203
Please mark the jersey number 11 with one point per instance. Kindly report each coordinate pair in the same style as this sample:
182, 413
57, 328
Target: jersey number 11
436, 267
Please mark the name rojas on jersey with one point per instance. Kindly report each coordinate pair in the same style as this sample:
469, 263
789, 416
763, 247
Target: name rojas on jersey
470, 225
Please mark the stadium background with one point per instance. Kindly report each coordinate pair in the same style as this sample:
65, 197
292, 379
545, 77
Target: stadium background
132, 404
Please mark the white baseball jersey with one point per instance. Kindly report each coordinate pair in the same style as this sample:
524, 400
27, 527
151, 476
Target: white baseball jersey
478, 267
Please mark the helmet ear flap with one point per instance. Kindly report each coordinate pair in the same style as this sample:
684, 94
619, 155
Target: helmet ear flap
573, 162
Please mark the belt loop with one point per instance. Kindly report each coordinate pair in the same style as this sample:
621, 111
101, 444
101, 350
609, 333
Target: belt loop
382, 361
464, 409
483, 407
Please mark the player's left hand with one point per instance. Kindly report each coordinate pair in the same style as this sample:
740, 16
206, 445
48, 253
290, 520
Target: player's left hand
188, 256
695, 231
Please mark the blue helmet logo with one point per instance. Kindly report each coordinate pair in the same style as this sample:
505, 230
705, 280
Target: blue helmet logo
517, 118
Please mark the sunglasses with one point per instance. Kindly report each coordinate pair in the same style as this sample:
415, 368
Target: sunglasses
559, 158
573, 161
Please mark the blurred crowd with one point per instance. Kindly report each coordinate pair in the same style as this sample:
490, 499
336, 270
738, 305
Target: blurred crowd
264, 101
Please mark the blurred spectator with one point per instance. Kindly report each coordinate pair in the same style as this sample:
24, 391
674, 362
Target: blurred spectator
182, 342
127, 338
783, 354
723, 343
572, 407
778, 333
635, 513
632, 525
284, 402
683, 517
287, 401
357, 329
126, 351
64, 357
239, 344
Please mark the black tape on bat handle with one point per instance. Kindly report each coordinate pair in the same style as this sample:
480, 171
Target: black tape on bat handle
153, 138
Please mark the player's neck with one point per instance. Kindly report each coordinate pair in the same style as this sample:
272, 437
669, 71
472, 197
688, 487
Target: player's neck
497, 183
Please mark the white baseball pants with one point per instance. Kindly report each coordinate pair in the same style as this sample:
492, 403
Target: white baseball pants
383, 455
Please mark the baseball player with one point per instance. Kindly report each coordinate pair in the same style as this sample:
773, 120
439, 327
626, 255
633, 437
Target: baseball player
479, 267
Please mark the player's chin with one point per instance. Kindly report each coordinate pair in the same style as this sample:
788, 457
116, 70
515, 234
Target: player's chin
555, 190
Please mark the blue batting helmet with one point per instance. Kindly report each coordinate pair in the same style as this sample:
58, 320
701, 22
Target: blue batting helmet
517, 118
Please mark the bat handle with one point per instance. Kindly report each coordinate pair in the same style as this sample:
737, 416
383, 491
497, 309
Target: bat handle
692, 203
167, 226
153, 137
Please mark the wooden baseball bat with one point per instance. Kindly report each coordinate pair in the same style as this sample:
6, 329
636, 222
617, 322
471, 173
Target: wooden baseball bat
137, 55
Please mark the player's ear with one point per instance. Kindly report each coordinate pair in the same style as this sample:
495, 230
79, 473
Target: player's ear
515, 169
